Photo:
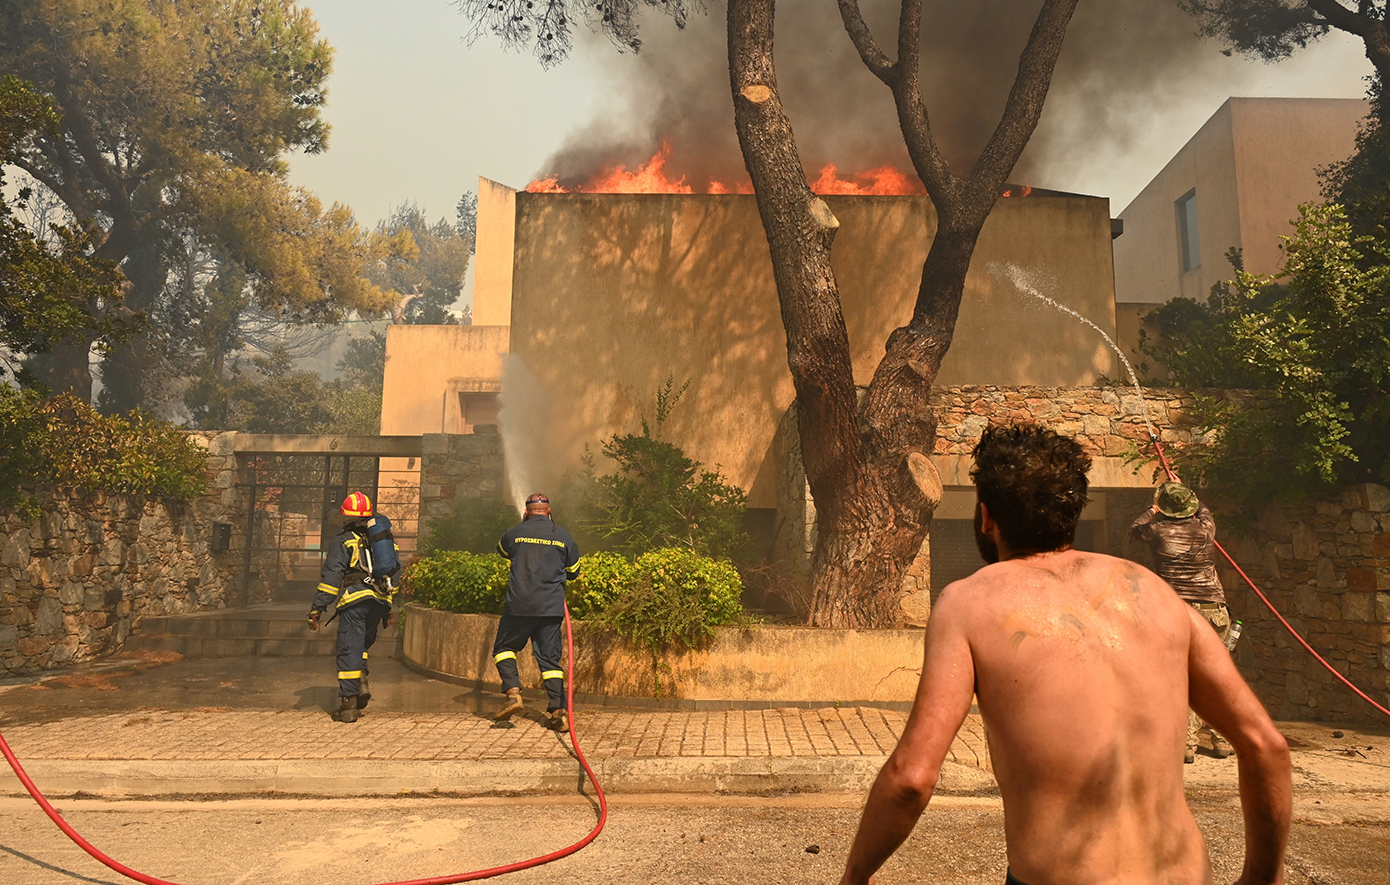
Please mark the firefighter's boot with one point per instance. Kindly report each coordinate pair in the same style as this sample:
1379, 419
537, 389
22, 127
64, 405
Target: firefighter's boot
347, 710
513, 706
366, 694
560, 721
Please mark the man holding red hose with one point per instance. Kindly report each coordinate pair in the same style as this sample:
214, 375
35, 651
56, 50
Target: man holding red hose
543, 557
1182, 534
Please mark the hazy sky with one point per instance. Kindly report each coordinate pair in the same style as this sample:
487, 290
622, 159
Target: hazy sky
418, 114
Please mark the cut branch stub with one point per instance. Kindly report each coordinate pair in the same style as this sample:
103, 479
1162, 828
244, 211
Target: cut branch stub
925, 475
821, 214
756, 93
919, 369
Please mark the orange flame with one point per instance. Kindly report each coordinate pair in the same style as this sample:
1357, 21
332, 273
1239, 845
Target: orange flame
549, 185
1023, 191
652, 178
883, 181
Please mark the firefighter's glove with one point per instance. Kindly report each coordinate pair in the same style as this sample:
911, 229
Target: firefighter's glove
313, 619
389, 618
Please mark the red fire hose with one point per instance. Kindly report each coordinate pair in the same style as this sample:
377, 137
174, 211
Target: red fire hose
1163, 460
138, 876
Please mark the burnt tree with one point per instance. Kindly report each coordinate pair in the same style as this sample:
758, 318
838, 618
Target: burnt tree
868, 462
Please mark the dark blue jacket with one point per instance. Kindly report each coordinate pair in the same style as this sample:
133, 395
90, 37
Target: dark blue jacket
543, 557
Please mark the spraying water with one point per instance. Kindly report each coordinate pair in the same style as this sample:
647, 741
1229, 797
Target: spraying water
1028, 283
524, 419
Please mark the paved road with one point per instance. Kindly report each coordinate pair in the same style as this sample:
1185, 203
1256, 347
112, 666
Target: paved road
649, 839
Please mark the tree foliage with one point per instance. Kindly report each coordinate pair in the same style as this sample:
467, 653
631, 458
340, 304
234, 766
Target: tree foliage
267, 395
51, 285
1317, 338
430, 281
547, 28
1272, 30
65, 442
175, 119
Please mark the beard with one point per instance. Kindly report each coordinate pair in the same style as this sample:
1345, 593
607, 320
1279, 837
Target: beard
989, 551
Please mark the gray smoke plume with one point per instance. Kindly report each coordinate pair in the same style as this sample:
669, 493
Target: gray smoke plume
1123, 59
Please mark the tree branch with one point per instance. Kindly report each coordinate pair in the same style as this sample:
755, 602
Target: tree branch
76, 122
922, 148
1372, 31
1025, 104
875, 59
1341, 18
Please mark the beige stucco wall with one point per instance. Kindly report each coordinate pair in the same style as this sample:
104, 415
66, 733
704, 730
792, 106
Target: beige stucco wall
613, 294
1251, 164
427, 367
1280, 146
493, 254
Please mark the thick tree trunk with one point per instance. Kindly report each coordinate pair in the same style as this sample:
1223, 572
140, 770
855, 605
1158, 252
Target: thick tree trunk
135, 372
869, 522
67, 368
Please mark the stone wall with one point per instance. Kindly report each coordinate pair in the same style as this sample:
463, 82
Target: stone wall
1325, 565
459, 465
75, 581
1107, 421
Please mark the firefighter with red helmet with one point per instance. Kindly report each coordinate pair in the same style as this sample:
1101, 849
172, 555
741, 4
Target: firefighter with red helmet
364, 604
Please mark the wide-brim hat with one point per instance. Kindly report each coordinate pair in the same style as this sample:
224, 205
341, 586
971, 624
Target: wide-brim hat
1175, 500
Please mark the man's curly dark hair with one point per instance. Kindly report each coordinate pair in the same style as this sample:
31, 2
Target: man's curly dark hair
1033, 480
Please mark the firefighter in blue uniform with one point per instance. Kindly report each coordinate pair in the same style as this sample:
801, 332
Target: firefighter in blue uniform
363, 604
543, 557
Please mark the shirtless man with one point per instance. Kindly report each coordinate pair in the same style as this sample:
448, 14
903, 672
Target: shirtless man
1083, 666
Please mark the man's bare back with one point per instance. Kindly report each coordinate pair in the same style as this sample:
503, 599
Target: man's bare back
1083, 666
1080, 664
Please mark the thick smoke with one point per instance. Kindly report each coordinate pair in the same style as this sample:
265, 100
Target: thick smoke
1123, 60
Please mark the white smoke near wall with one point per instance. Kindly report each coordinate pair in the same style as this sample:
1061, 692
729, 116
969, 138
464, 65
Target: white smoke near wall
525, 425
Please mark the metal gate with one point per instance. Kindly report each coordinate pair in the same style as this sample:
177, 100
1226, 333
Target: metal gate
294, 487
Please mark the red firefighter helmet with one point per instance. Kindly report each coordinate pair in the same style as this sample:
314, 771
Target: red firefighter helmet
357, 504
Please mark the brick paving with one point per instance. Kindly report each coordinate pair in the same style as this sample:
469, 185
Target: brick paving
224, 735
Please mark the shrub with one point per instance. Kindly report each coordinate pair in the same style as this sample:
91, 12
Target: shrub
603, 577
475, 526
658, 497
675, 597
64, 441
458, 581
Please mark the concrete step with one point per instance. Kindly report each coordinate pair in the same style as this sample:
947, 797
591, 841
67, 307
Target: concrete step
267, 630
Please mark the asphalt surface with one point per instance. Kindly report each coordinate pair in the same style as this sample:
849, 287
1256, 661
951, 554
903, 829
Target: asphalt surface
655, 839
99, 729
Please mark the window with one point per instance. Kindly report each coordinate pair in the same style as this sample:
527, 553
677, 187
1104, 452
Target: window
1187, 231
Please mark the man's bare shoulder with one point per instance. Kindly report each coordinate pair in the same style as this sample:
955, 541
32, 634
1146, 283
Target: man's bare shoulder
1049, 577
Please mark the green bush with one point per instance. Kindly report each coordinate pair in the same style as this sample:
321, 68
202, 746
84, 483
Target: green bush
675, 597
475, 526
657, 496
603, 577
64, 441
667, 597
458, 581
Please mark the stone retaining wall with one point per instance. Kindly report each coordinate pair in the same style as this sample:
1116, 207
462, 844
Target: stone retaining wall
1326, 566
754, 666
75, 581
1107, 421
459, 465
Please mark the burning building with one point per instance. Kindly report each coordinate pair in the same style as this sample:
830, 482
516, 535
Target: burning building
585, 303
